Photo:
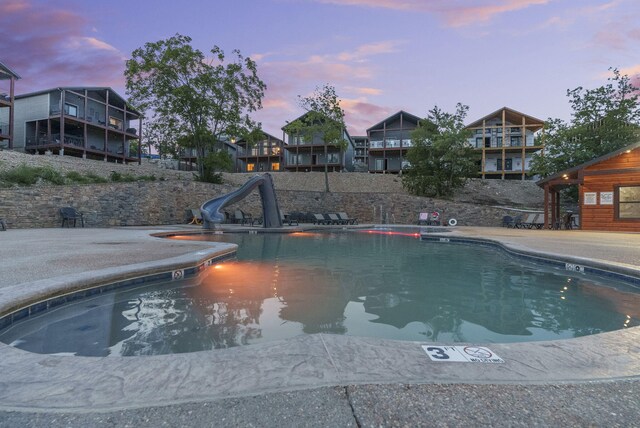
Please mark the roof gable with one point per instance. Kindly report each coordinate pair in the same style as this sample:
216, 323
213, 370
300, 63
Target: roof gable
7, 73
112, 93
407, 116
512, 116
573, 172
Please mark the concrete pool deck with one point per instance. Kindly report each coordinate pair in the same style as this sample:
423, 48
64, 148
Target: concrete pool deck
347, 378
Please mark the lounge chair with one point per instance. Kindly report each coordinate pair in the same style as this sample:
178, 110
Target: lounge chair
334, 219
528, 222
242, 218
349, 220
69, 214
517, 222
196, 216
288, 219
320, 219
538, 222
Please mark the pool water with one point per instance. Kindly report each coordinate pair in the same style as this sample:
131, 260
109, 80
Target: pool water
355, 283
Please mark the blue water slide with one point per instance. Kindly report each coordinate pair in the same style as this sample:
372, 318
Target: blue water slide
270, 213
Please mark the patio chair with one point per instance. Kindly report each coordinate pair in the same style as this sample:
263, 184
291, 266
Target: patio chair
242, 217
538, 221
528, 222
349, 220
320, 219
334, 219
70, 214
288, 219
568, 221
508, 222
196, 216
517, 222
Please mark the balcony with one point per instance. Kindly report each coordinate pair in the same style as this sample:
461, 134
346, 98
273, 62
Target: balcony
378, 144
392, 143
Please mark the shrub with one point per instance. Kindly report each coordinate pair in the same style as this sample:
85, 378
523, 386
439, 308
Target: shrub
96, 178
25, 175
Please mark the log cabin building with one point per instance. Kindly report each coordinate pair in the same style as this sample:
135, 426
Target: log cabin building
609, 191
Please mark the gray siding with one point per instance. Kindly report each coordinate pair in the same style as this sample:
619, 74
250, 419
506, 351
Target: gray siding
26, 110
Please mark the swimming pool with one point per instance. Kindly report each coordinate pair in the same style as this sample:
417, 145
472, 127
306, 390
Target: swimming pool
355, 283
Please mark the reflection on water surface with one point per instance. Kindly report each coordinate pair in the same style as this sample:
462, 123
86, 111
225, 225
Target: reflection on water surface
362, 284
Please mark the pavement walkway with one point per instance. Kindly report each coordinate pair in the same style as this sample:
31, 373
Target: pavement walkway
317, 380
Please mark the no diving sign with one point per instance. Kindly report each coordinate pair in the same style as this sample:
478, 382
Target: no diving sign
462, 354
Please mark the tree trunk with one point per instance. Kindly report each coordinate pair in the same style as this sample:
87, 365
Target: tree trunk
200, 161
326, 169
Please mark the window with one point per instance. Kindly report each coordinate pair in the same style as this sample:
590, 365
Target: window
70, 110
629, 202
275, 166
251, 167
516, 141
499, 164
499, 141
478, 142
115, 123
333, 158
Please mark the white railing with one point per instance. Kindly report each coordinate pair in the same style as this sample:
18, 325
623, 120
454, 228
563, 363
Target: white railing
392, 143
379, 144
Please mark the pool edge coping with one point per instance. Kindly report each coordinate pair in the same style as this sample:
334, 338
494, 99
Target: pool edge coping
391, 347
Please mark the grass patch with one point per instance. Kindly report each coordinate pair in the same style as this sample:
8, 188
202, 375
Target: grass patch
25, 175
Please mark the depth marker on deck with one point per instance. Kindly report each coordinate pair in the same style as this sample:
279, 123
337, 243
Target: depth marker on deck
462, 354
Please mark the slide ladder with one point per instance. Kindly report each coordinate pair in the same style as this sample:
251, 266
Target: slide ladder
211, 214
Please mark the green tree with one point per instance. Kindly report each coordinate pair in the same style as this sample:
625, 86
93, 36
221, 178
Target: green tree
204, 95
441, 159
603, 120
161, 134
324, 118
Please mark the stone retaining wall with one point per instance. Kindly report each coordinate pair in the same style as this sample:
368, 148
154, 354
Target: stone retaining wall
157, 203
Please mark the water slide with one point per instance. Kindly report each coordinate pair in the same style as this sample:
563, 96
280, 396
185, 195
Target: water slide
211, 214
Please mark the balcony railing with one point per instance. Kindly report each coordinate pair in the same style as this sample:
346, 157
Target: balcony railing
55, 139
392, 143
378, 144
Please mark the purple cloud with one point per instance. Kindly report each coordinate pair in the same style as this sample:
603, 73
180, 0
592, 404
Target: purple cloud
58, 49
456, 13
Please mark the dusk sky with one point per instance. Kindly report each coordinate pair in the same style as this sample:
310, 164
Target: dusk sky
381, 55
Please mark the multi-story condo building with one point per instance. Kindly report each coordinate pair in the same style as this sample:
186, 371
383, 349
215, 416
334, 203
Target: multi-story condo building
264, 155
361, 153
7, 87
89, 122
507, 140
303, 155
188, 157
389, 142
